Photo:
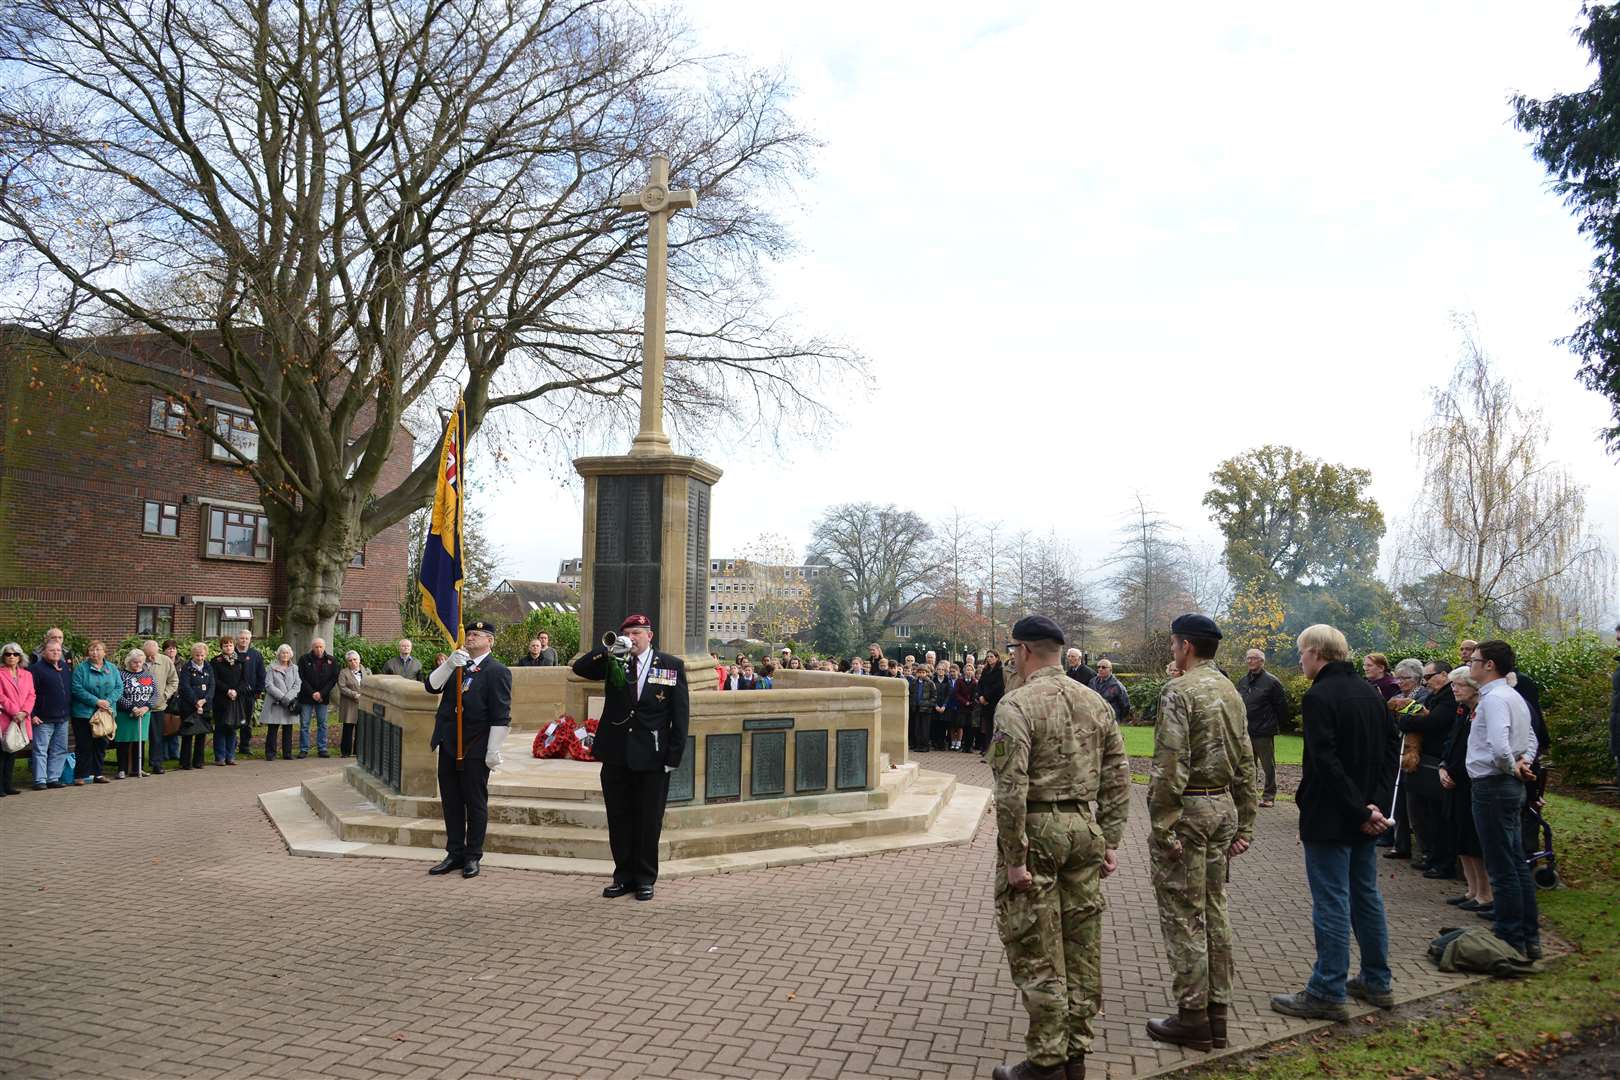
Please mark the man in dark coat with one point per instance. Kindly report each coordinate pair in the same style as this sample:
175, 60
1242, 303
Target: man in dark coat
486, 716
639, 741
317, 680
1267, 702
1074, 666
253, 675
1348, 743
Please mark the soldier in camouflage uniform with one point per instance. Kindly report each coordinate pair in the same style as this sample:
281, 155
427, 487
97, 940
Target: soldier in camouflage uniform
1055, 750
1202, 801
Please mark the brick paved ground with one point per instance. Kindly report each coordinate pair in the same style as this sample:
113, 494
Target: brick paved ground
160, 930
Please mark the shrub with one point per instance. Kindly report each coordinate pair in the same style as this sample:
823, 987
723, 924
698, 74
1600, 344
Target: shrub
1578, 721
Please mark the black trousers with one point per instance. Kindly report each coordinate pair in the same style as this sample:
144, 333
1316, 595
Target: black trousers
129, 756
270, 732
346, 747
635, 815
191, 750
464, 790
89, 752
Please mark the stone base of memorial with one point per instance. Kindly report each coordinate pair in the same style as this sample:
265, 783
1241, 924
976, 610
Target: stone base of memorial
770, 778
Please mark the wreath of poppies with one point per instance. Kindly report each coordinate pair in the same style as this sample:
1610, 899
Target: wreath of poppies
564, 737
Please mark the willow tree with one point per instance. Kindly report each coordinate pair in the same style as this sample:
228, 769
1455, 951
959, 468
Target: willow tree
351, 210
1498, 531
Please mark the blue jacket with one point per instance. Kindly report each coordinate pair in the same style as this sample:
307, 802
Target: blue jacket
196, 686
91, 686
53, 690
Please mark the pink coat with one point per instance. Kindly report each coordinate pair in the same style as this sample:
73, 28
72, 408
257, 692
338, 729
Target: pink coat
17, 695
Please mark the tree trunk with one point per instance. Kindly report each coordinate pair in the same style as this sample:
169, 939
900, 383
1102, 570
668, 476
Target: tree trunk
314, 590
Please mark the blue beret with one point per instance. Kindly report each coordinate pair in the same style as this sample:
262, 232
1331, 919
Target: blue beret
1195, 626
1036, 628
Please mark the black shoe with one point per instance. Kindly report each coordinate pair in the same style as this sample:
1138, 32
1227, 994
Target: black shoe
156, 771
303, 753
615, 890
1397, 854
644, 892
1459, 901
1437, 874
323, 753
269, 757
55, 784
471, 869
1486, 912
1533, 951
449, 863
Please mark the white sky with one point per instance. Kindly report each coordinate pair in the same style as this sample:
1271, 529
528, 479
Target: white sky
1138, 239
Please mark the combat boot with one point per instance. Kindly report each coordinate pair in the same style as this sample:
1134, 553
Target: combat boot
1027, 1070
1190, 1027
1075, 1068
1217, 1025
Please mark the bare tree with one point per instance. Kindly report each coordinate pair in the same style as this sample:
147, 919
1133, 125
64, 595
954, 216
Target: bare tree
992, 548
783, 606
1149, 576
954, 607
884, 555
1208, 583
1497, 530
349, 210
1058, 589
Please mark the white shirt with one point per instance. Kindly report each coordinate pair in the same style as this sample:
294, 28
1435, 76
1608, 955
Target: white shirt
643, 664
1500, 734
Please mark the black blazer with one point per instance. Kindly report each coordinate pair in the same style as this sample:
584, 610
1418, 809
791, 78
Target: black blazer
645, 733
1348, 744
486, 702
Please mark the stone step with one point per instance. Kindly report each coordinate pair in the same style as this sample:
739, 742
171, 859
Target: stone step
569, 829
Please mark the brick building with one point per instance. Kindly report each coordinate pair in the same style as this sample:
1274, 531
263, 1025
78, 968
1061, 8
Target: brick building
118, 518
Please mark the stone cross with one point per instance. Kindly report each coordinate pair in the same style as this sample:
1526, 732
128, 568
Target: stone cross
659, 202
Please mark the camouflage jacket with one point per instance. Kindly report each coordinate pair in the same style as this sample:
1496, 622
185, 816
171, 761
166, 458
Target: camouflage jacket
1056, 740
1201, 740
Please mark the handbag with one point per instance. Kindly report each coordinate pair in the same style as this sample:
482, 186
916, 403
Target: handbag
102, 724
171, 724
15, 738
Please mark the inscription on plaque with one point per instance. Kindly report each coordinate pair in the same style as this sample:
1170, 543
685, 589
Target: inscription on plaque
770, 723
625, 570
697, 566
809, 761
680, 781
722, 768
768, 776
851, 760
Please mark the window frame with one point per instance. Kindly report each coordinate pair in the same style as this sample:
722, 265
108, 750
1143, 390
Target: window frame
263, 523
166, 416
156, 630
146, 507
349, 621
218, 453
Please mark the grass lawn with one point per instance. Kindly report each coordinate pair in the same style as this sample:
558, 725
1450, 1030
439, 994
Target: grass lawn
1508, 1023
1139, 743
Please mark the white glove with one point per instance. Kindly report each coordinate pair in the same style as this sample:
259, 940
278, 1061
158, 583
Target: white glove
440, 674
492, 754
669, 768
460, 658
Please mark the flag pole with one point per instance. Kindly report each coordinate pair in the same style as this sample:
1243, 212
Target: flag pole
461, 555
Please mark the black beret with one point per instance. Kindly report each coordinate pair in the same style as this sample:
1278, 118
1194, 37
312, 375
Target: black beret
481, 624
1036, 628
1195, 626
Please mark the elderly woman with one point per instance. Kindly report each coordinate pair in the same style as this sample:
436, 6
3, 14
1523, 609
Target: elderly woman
230, 692
97, 685
140, 688
280, 703
196, 702
1454, 779
1424, 712
16, 708
1112, 690
1408, 675
349, 680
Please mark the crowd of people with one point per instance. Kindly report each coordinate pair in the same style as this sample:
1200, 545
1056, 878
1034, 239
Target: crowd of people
157, 709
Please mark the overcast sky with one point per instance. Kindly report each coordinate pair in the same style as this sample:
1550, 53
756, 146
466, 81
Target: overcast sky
1134, 240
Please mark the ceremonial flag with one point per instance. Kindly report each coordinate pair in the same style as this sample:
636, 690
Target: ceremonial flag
441, 574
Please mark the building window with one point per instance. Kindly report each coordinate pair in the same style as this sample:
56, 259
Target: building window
238, 429
154, 622
162, 519
228, 618
359, 560
168, 416
347, 622
237, 534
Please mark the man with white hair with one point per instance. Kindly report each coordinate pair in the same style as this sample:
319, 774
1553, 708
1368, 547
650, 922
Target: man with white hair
1074, 665
252, 687
404, 665
1267, 704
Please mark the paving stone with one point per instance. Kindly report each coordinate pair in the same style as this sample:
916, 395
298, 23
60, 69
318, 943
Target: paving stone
215, 953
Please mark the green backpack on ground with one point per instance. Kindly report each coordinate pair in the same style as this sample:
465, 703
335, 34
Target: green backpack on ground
1478, 951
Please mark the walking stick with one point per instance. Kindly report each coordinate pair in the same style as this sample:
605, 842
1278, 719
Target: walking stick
1394, 796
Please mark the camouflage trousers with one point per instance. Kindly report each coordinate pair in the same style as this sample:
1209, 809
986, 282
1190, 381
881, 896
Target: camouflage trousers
1052, 932
1191, 892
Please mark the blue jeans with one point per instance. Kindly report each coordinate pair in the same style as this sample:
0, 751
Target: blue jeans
1345, 899
319, 712
1498, 804
224, 740
50, 750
